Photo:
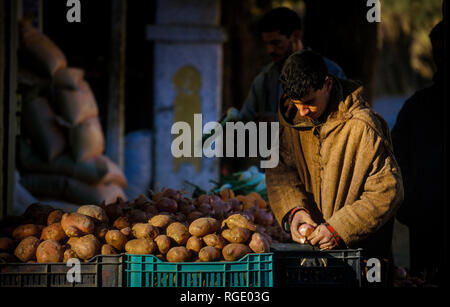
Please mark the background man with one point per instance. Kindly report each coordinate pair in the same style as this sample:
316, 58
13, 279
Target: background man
337, 170
281, 31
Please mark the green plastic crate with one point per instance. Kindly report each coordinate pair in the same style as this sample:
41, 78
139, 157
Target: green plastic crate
253, 270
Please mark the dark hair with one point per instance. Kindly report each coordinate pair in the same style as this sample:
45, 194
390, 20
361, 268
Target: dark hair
302, 72
280, 19
437, 33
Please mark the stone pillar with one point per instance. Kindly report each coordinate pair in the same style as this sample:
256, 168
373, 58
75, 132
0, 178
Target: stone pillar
187, 80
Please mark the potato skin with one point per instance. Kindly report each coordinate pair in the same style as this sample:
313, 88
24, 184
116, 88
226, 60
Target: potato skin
215, 240
140, 246
164, 243
259, 243
6, 245
116, 239
178, 254
95, 212
108, 250
85, 247
77, 224
209, 253
194, 244
28, 230
121, 222
54, 217
161, 221
26, 250
144, 231
178, 232
237, 235
235, 251
100, 231
203, 226
49, 251
69, 254
53, 232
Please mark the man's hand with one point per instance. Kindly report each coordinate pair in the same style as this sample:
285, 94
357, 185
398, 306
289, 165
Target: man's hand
301, 217
322, 236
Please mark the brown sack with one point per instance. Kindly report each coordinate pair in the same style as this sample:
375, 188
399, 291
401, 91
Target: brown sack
81, 193
43, 53
69, 78
38, 122
86, 139
76, 106
70, 190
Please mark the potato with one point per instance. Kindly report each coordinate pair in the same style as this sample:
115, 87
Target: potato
49, 251
6, 245
209, 253
53, 232
259, 243
227, 194
163, 242
85, 247
161, 221
235, 251
178, 254
28, 230
116, 239
38, 213
100, 231
263, 217
238, 220
121, 222
77, 224
54, 217
69, 254
215, 240
137, 216
140, 246
127, 232
161, 257
8, 258
178, 232
203, 226
167, 205
194, 244
108, 250
95, 212
26, 249
145, 231
237, 235
193, 215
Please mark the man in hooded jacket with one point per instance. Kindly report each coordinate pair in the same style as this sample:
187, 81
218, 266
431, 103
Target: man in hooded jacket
337, 171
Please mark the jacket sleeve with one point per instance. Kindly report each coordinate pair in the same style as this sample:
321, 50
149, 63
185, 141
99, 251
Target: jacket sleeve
382, 190
284, 187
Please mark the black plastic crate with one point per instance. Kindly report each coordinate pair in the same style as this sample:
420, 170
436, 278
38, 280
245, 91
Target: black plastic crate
298, 265
99, 271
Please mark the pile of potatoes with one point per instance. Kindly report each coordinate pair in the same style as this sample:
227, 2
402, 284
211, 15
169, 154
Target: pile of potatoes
172, 227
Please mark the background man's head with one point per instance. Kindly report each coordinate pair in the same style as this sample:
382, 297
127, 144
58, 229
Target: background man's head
281, 31
306, 82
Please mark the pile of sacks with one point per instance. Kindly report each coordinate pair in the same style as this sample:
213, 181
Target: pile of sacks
60, 153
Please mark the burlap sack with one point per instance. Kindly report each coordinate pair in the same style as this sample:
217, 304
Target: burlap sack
86, 139
70, 190
39, 124
76, 106
69, 78
97, 170
43, 53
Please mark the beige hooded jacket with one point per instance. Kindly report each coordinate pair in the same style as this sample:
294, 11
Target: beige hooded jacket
342, 170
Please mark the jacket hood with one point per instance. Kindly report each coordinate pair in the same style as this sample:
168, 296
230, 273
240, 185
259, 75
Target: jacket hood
345, 97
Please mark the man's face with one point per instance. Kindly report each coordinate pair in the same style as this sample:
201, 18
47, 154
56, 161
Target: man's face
314, 104
279, 46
